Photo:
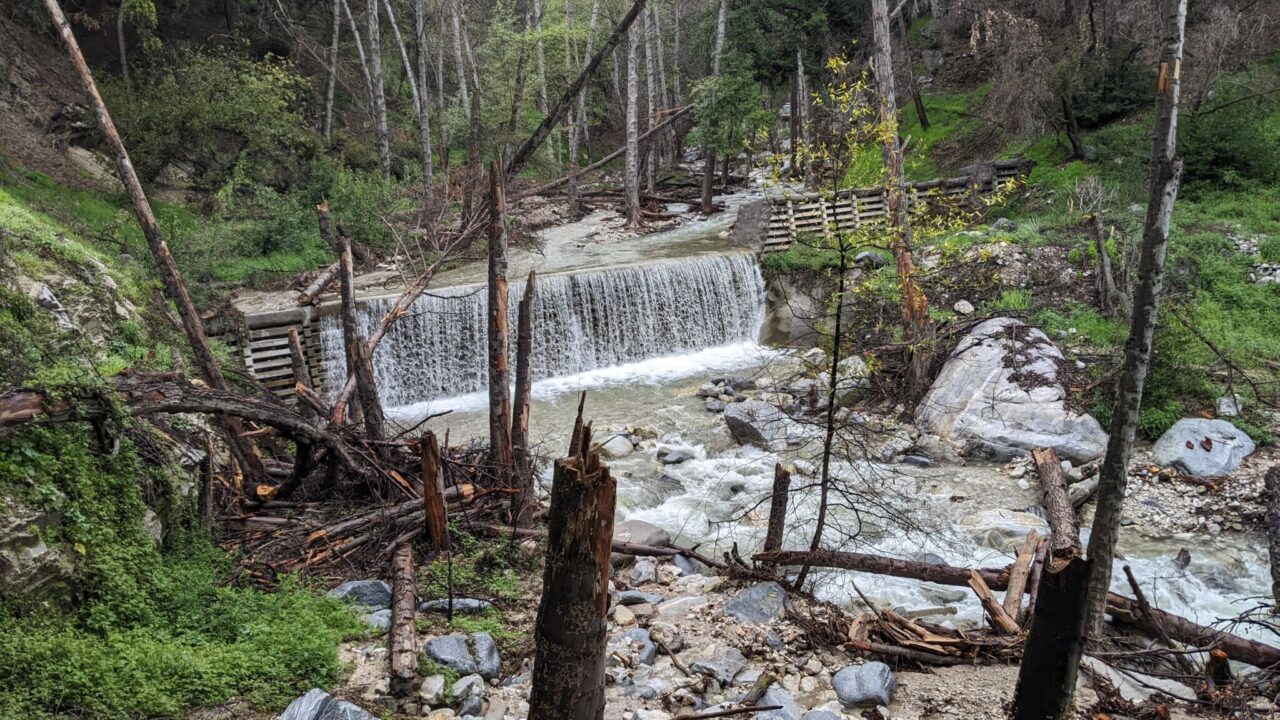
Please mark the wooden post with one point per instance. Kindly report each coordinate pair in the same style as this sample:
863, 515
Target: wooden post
499, 391
1272, 480
301, 377
570, 633
433, 505
242, 448
1055, 621
403, 640
777, 508
522, 503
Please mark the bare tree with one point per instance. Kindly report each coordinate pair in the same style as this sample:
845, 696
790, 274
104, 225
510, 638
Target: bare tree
1055, 658
332, 83
651, 103
709, 157
633, 150
455, 13
379, 90
424, 103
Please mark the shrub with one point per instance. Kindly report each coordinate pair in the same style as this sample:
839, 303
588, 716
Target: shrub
1236, 146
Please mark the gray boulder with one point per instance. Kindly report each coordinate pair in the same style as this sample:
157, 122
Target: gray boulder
687, 565
638, 644
1230, 406
777, 695
460, 605
756, 422
617, 446
1202, 447
870, 259
374, 594
640, 533
721, 664
486, 653
1004, 225
317, 704
453, 652
379, 620
675, 455
635, 597
757, 604
999, 395
865, 685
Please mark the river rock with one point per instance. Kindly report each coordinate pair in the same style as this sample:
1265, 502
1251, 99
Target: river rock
468, 695
999, 395
623, 616
1001, 529
644, 571
453, 652
635, 597
756, 422
486, 653
757, 604
687, 565
1204, 448
468, 606
431, 692
317, 704
675, 455
374, 594
720, 663
715, 405
617, 446
1230, 406
380, 620
777, 695
640, 532
865, 685
638, 644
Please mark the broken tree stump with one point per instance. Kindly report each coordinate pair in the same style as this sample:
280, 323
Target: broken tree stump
522, 502
1018, 575
571, 630
499, 389
435, 514
777, 508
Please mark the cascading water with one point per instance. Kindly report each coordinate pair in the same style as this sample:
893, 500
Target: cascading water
581, 321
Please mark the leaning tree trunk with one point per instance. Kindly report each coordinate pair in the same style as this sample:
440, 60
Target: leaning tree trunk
633, 150
1075, 625
540, 57
359, 43
499, 389
379, 90
915, 306
241, 447
570, 632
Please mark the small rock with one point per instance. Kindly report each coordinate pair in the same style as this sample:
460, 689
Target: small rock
374, 594
687, 565
1230, 406
623, 616
917, 461
680, 607
776, 695
1202, 447
1004, 225
317, 704
380, 620
758, 604
869, 259
675, 456
667, 634
452, 652
635, 597
617, 446
487, 658
865, 685
644, 571
820, 715
431, 692
467, 687
460, 605
715, 405
964, 307
1136, 209
641, 644
815, 356
720, 664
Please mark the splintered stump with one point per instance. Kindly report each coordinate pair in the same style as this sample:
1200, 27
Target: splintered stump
1044, 680
777, 508
570, 634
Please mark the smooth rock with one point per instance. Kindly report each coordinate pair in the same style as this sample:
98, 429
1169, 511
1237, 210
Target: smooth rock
379, 620
715, 405
644, 571
639, 644
675, 456
756, 422
870, 259
757, 604
1203, 448
374, 594
999, 394
623, 616
317, 704
917, 461
777, 695
452, 651
431, 692
1230, 406
617, 446
640, 532
1004, 225
468, 606
719, 663
467, 687
820, 715
1001, 529
680, 607
964, 307
635, 597
865, 685
687, 565
486, 654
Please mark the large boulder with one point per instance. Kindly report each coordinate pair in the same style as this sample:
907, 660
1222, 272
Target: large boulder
639, 532
759, 603
374, 594
1203, 447
475, 655
999, 395
756, 422
865, 685
320, 705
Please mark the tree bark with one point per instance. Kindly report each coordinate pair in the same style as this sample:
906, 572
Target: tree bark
556, 114
806, 132
1109, 297
517, 95
242, 449
332, 82
915, 306
359, 43
570, 632
1046, 684
1064, 537
522, 504
311, 294
578, 139
379, 90
880, 565
632, 178
499, 386
434, 512
456, 14
301, 376
403, 638
651, 100
417, 85
540, 57
777, 508
1272, 479
717, 52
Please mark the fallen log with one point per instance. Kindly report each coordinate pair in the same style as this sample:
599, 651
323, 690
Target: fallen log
1018, 575
880, 565
403, 641
1064, 536
310, 295
995, 610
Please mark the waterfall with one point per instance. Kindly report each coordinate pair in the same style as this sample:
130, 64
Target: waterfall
581, 321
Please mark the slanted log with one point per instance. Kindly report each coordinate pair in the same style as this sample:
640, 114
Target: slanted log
995, 611
435, 514
301, 377
1064, 536
777, 508
880, 565
1272, 481
310, 295
403, 641
1018, 575
570, 631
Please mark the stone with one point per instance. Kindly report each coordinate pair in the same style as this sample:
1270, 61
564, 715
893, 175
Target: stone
623, 616
680, 607
817, 357
1203, 448
964, 307
1136, 209
640, 532
1230, 406
374, 594
1001, 529
820, 715
720, 664
667, 634
635, 597
865, 685
617, 446
28, 564
687, 565
465, 687
343, 710
757, 604
453, 652
431, 692
917, 461
1004, 225
639, 644
380, 620
870, 259
756, 422
715, 405
486, 654
709, 390
644, 571
317, 704
777, 695
468, 606
676, 455
153, 525
999, 395
643, 611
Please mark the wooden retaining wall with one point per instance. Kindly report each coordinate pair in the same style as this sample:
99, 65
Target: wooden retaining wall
261, 340
790, 215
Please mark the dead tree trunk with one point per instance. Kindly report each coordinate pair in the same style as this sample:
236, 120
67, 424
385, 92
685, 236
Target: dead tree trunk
424, 100
522, 504
1109, 298
242, 448
651, 100
359, 43
499, 392
332, 81
455, 12
379, 90
403, 639
311, 294
777, 508
1272, 479
632, 178
301, 376
473, 157
915, 306
434, 512
570, 634
1064, 537
556, 114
